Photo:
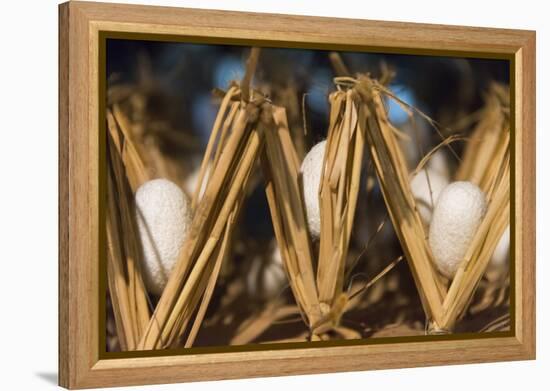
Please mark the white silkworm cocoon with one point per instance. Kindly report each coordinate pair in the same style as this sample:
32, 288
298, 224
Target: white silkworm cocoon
266, 278
426, 187
192, 181
501, 255
163, 217
439, 163
311, 170
456, 218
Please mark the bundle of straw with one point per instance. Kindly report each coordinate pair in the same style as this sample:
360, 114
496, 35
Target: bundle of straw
281, 171
128, 296
486, 162
193, 279
442, 308
338, 197
489, 140
321, 299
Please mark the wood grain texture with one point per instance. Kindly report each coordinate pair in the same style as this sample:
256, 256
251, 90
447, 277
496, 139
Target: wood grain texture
526, 194
80, 24
64, 353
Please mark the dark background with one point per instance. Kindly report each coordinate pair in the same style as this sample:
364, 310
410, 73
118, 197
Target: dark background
176, 82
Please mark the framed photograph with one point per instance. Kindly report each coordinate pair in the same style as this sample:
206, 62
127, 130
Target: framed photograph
248, 195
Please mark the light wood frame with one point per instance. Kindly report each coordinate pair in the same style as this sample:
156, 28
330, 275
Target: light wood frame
80, 365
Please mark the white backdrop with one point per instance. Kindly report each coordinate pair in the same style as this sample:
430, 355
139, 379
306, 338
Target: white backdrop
28, 194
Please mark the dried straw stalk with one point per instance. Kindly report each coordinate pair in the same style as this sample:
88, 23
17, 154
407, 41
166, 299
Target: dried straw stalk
442, 308
126, 287
281, 171
120, 135
207, 240
338, 196
393, 177
253, 327
486, 162
482, 152
190, 286
320, 298
340, 187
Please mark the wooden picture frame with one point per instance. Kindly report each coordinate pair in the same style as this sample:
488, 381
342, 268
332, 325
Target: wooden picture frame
81, 25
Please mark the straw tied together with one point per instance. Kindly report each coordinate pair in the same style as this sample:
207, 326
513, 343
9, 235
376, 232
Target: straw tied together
250, 129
